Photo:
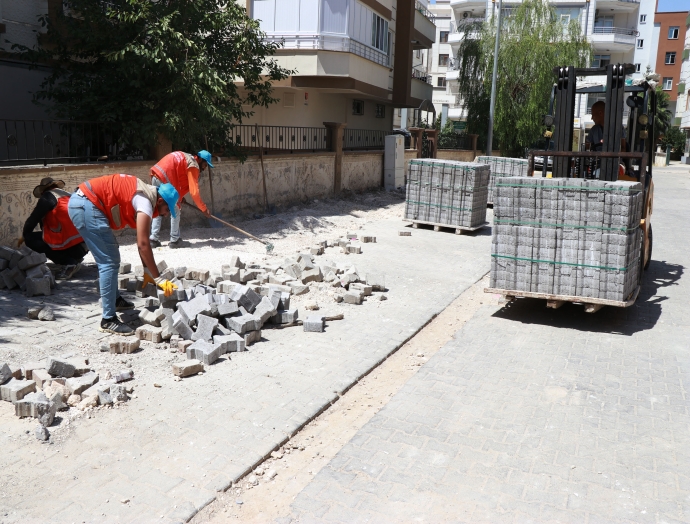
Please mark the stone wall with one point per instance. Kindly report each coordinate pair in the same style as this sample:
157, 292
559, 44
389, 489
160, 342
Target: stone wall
237, 187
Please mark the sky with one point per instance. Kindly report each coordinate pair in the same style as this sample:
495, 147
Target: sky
668, 6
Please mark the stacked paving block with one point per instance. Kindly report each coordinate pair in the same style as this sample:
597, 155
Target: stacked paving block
447, 193
502, 167
567, 236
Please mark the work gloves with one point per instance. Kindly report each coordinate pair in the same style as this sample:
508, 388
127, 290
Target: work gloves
164, 284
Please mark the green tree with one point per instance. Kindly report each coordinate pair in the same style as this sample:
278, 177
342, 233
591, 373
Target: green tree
150, 68
447, 138
662, 121
674, 139
533, 42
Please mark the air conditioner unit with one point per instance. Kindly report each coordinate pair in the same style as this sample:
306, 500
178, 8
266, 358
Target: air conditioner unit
466, 14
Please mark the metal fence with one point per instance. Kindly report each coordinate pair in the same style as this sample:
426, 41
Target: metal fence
455, 141
26, 142
364, 139
424, 11
281, 138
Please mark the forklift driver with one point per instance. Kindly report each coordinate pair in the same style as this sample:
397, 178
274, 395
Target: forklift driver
595, 136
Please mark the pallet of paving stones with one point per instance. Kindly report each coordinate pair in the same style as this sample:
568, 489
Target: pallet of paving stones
567, 240
502, 167
446, 193
25, 270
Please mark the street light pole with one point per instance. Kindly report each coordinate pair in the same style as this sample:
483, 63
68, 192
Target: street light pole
492, 106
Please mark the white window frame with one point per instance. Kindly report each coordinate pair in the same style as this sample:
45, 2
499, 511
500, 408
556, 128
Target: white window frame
643, 19
670, 58
379, 33
640, 43
667, 84
597, 59
447, 59
673, 29
638, 68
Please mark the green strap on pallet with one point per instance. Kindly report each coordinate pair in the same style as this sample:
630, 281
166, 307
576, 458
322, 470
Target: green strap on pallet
572, 187
439, 205
533, 260
572, 226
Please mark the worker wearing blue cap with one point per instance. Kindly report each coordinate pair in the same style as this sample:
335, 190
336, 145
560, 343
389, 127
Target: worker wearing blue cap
113, 202
182, 171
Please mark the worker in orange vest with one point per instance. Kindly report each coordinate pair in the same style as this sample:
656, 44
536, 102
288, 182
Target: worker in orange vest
182, 171
113, 202
58, 239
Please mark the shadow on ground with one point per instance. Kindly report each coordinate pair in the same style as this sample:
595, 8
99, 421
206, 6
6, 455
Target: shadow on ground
641, 316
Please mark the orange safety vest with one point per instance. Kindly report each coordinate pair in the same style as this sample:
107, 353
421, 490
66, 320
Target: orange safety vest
172, 169
113, 194
58, 230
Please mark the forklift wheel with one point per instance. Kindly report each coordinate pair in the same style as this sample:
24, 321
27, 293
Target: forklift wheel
651, 243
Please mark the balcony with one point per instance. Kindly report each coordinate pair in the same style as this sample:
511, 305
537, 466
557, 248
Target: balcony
619, 5
613, 39
421, 87
462, 26
424, 31
461, 6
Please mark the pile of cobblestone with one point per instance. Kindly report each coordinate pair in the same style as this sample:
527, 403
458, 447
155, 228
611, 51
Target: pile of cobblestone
40, 389
502, 167
217, 312
567, 236
26, 270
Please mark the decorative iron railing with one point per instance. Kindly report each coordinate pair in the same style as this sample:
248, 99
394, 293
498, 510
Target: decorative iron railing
364, 139
283, 138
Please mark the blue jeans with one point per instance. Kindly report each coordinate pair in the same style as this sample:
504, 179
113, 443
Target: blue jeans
94, 228
156, 222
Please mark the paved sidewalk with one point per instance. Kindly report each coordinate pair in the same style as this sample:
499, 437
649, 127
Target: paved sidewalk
170, 449
536, 415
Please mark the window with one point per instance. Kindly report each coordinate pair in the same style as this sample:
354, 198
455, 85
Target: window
418, 54
638, 68
673, 33
565, 19
358, 107
601, 60
643, 19
670, 58
379, 33
380, 111
640, 43
441, 81
443, 37
668, 83
443, 60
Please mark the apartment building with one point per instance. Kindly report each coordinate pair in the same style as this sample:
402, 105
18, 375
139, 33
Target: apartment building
19, 24
682, 117
670, 53
352, 60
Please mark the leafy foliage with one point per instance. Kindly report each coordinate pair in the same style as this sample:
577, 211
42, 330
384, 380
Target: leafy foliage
674, 139
533, 41
151, 68
662, 121
447, 138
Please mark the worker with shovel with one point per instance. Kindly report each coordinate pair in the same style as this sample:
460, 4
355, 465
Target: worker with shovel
109, 203
182, 171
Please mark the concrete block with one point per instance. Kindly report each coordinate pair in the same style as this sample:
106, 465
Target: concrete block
58, 367
404, 233
226, 286
152, 318
182, 329
251, 337
229, 343
179, 272
274, 296
78, 385
167, 274
123, 283
362, 288
242, 324
236, 262
38, 406
118, 393
312, 275
316, 250
150, 333
123, 376
6, 253
282, 279
125, 345
314, 324
152, 302
18, 276
41, 377
125, 267
231, 274
35, 272
199, 305
356, 250
187, 368
298, 288
5, 373
353, 297
265, 310
366, 239
285, 316
245, 297
182, 345
15, 390
32, 260
54, 387
16, 372
7, 279
167, 323
28, 368
204, 352
104, 398
293, 270
139, 271
227, 309
205, 326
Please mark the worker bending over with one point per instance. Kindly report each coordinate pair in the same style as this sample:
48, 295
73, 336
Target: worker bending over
109, 203
58, 239
182, 171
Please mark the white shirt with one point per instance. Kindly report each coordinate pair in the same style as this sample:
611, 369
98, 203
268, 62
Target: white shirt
141, 204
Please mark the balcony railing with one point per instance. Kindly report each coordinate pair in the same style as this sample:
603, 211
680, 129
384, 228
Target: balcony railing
424, 11
462, 25
615, 31
281, 138
421, 74
453, 64
364, 139
59, 141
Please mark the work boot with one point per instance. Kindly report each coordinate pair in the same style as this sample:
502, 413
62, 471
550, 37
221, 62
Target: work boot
67, 272
154, 243
121, 304
114, 326
177, 244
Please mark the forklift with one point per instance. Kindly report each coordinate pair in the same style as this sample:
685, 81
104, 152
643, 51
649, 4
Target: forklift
634, 164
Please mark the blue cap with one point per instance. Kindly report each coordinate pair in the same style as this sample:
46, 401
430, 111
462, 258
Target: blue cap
205, 155
168, 193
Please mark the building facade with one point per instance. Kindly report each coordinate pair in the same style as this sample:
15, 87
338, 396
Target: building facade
352, 60
682, 117
670, 52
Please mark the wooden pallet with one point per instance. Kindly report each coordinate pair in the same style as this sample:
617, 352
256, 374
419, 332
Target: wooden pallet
437, 227
592, 305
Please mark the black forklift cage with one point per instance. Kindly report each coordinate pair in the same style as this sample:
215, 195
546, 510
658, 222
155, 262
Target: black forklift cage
581, 164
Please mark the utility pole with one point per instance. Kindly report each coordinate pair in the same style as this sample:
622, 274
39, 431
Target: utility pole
492, 107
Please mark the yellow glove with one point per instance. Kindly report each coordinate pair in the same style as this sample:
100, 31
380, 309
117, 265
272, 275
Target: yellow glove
167, 286
148, 278
20, 241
